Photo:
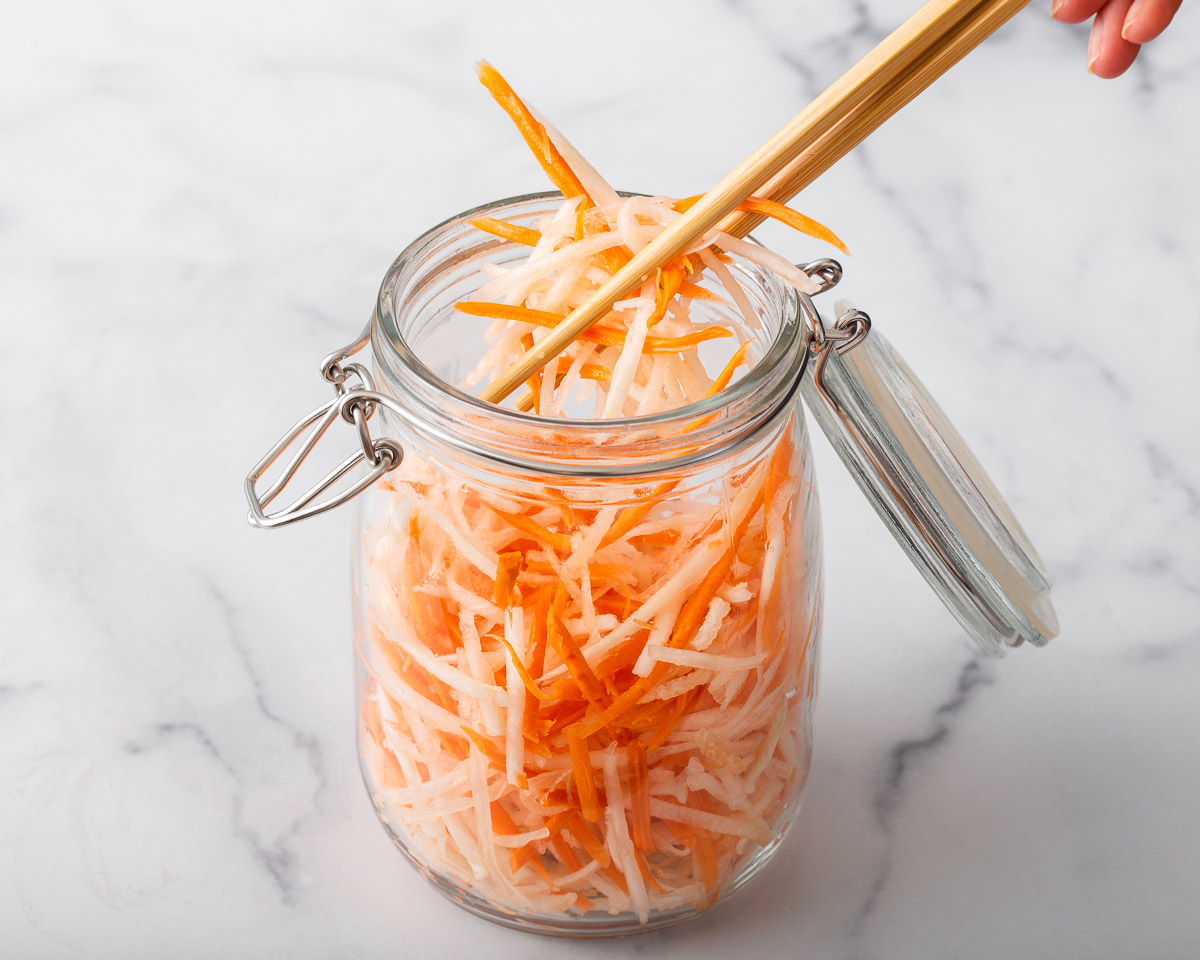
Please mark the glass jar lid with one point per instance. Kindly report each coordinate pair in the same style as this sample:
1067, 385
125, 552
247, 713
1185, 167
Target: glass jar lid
925, 484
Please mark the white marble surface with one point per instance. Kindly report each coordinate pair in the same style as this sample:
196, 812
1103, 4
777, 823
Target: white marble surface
198, 201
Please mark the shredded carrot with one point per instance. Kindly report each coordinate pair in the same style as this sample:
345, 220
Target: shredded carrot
526, 677
566, 647
536, 138
586, 839
666, 285
566, 856
597, 333
508, 231
486, 746
639, 792
507, 572
647, 874
726, 374
585, 778
780, 212
527, 525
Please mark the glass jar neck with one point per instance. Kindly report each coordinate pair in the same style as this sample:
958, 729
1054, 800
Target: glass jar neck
445, 265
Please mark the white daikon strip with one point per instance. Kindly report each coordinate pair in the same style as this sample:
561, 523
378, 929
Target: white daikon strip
515, 840
713, 822
619, 842
704, 661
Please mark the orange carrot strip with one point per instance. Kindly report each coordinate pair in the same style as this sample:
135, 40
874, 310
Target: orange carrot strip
566, 856
648, 877
631, 516
559, 820
726, 373
697, 292
574, 712
660, 538
695, 607
501, 821
455, 746
595, 371
666, 284
534, 133
587, 726
585, 780
566, 647
587, 840
777, 211
678, 344
536, 745
521, 856
615, 258
507, 571
528, 853
625, 655
616, 877
428, 623
597, 333
525, 236
530, 684
559, 541
639, 792
540, 869
794, 219
537, 661
486, 746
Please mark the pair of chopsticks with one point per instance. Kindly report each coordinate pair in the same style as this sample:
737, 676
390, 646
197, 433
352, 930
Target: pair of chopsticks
899, 68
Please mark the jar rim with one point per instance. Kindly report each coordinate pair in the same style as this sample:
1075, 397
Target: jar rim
708, 427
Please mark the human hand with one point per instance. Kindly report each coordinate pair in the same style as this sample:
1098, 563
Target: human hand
1119, 30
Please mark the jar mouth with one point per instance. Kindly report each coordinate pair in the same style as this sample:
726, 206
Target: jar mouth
448, 255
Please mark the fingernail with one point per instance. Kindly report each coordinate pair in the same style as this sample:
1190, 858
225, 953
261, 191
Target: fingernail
1055, 7
1131, 18
1094, 45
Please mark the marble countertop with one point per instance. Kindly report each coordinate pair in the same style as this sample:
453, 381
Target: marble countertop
199, 201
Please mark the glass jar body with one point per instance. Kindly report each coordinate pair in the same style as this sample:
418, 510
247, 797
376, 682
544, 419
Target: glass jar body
585, 697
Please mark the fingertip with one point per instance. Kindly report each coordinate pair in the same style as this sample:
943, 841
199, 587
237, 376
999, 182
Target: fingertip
1129, 27
1114, 60
1075, 11
1109, 54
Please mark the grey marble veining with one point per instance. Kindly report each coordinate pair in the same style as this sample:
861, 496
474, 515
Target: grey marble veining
198, 203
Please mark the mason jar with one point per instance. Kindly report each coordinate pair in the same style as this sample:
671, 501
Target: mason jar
587, 649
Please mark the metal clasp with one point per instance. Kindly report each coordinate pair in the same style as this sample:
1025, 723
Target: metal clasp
850, 327
352, 402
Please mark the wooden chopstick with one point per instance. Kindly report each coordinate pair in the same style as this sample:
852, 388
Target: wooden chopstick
856, 103
851, 132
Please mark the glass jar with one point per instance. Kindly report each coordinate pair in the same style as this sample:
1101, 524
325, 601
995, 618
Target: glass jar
587, 650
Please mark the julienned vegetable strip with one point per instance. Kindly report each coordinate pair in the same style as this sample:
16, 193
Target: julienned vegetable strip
589, 697
538, 141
